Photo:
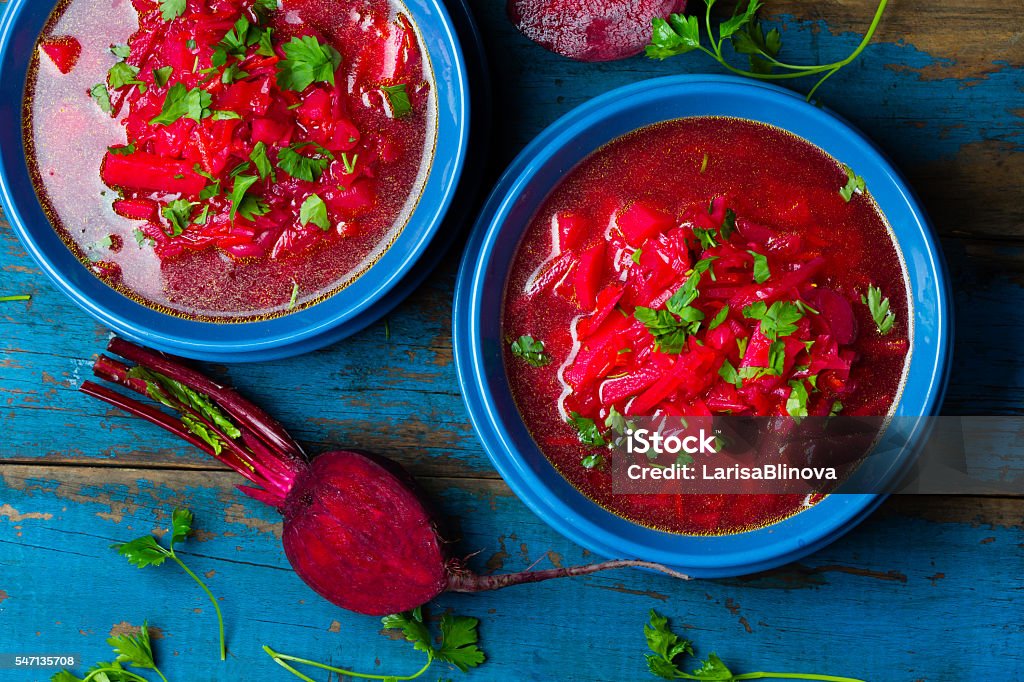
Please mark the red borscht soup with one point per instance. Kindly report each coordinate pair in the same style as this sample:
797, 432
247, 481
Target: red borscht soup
229, 160
699, 267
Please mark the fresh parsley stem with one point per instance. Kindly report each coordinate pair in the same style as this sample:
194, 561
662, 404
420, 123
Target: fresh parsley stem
122, 671
213, 600
794, 676
157, 671
797, 71
19, 297
281, 658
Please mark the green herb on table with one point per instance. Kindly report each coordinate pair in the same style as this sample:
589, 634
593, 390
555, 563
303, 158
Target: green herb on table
879, 307
680, 34
854, 185
16, 297
671, 653
531, 350
146, 551
131, 650
458, 646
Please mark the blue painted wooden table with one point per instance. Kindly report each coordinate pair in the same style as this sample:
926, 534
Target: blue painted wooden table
926, 589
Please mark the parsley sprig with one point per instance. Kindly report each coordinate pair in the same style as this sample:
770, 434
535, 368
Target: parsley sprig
679, 319
680, 34
879, 307
458, 646
16, 297
146, 551
531, 350
132, 650
306, 61
671, 651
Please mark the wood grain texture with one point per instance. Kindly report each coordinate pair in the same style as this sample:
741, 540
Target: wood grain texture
924, 590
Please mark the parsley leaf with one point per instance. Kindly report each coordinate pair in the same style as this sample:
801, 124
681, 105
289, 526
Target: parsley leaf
729, 374
101, 96
262, 161
398, 98
854, 185
531, 350
238, 190
458, 645
134, 650
676, 35
122, 151
172, 9
179, 214
796, 404
778, 320
122, 74
761, 271
666, 645
304, 167
458, 642
879, 307
146, 551
314, 210
594, 461
719, 318
162, 75
120, 51
587, 430
182, 102
306, 61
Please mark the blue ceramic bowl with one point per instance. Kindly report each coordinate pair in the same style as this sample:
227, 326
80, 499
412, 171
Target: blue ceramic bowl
344, 313
481, 286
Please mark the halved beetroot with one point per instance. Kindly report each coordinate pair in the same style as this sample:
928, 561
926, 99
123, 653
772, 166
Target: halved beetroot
591, 31
63, 51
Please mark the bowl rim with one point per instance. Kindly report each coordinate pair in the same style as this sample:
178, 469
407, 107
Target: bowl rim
304, 329
557, 502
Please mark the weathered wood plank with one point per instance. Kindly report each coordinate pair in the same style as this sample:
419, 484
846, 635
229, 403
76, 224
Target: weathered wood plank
953, 571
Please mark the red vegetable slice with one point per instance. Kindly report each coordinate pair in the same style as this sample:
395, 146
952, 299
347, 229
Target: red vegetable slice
591, 31
589, 275
63, 51
151, 173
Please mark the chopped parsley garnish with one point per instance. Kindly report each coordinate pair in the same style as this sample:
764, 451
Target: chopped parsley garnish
179, 214
142, 239
182, 102
101, 96
172, 9
350, 164
636, 256
616, 422
295, 295
704, 164
776, 363
531, 350
761, 271
719, 318
261, 161
729, 374
778, 320
670, 332
707, 237
398, 98
122, 151
796, 405
594, 461
307, 61
314, 210
120, 51
587, 430
122, 74
879, 307
162, 75
728, 224
219, 115
238, 193
854, 184
304, 167
837, 407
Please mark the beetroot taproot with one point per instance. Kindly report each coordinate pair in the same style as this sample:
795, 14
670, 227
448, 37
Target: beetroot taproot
591, 31
356, 528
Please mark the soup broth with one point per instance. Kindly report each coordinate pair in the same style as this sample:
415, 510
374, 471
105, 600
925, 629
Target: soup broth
154, 201
701, 266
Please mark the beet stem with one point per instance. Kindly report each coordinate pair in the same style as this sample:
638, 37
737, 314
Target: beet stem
262, 424
466, 581
147, 412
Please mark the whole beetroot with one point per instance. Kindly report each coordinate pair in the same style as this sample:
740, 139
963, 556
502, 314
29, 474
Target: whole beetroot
356, 529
